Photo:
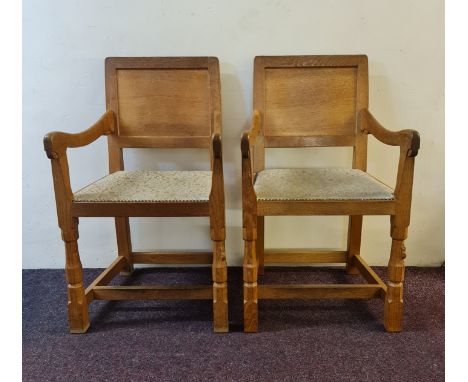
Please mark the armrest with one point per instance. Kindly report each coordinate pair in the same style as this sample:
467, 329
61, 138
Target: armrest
217, 209
216, 145
56, 143
248, 141
408, 140
216, 136
249, 136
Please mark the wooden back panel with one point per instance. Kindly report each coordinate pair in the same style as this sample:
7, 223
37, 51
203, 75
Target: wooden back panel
161, 102
311, 100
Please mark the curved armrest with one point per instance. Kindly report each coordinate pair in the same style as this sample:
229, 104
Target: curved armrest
217, 209
245, 144
216, 145
56, 143
216, 136
408, 140
249, 136
248, 141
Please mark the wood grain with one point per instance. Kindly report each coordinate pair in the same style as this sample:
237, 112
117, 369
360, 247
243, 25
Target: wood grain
367, 272
408, 139
249, 230
317, 207
105, 277
124, 243
260, 244
319, 291
151, 102
137, 209
162, 142
284, 256
310, 140
56, 142
172, 257
153, 292
163, 102
310, 101
354, 242
321, 101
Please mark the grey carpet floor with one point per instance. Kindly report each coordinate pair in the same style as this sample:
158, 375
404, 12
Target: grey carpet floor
313, 340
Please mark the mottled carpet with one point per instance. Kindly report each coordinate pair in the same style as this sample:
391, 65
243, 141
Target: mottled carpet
315, 340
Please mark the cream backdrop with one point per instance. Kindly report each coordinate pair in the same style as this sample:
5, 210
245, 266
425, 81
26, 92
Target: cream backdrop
65, 43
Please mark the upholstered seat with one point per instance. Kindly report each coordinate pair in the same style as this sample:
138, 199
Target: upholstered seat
319, 184
149, 186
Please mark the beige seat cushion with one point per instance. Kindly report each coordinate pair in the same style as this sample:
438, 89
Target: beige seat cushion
148, 186
319, 184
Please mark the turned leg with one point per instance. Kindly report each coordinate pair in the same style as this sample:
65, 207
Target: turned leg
250, 287
393, 307
260, 244
220, 292
124, 243
354, 243
77, 303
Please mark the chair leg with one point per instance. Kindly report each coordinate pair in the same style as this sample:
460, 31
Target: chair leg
124, 243
393, 307
77, 305
354, 243
220, 293
260, 244
250, 287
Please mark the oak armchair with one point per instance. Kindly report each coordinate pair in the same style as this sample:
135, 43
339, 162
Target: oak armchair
321, 101
151, 102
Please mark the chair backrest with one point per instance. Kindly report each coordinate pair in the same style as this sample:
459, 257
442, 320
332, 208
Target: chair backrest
312, 101
164, 102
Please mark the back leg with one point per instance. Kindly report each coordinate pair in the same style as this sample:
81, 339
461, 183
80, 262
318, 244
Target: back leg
354, 243
124, 243
260, 244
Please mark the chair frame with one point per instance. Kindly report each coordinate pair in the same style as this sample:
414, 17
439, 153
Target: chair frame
253, 144
69, 211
